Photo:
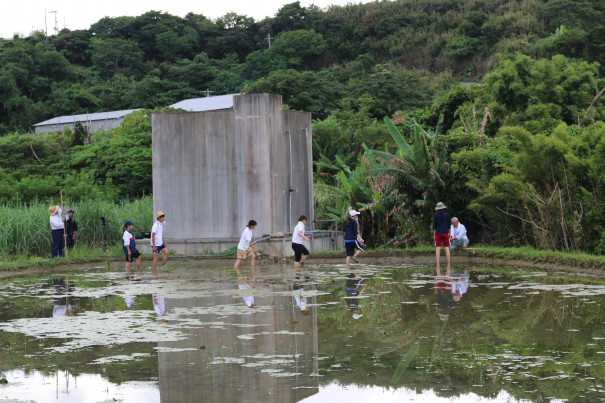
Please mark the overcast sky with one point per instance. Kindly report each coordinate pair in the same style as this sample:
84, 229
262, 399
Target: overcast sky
24, 16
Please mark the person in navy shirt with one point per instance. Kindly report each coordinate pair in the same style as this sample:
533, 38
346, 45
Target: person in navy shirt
353, 240
441, 231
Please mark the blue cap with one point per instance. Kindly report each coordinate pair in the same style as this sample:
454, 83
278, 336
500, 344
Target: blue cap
127, 223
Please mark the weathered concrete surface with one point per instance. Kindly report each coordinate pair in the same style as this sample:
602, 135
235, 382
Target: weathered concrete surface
214, 171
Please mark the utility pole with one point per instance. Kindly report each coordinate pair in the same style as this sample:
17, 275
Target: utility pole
207, 92
269, 39
56, 23
45, 30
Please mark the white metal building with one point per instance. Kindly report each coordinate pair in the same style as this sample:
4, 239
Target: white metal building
94, 122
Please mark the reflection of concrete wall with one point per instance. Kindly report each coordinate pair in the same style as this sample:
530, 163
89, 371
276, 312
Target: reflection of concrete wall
190, 376
213, 171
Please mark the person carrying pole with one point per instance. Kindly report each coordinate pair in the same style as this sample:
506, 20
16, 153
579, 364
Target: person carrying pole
57, 230
245, 248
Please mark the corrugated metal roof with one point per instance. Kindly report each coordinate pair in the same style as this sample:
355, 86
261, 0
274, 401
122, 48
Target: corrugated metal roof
86, 117
206, 103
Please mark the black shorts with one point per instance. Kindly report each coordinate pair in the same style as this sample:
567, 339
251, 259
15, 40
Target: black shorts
351, 247
132, 256
299, 250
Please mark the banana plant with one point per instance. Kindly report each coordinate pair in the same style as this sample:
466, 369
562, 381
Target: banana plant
417, 166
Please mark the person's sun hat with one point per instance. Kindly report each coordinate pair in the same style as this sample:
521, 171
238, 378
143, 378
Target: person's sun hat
53, 210
357, 315
69, 211
353, 213
440, 206
127, 223
159, 214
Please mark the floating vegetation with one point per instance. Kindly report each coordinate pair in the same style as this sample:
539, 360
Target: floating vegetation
477, 332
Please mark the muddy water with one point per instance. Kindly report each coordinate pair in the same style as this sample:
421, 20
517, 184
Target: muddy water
384, 331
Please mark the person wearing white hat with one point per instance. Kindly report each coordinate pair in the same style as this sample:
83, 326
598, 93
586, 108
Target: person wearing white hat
441, 231
353, 240
158, 244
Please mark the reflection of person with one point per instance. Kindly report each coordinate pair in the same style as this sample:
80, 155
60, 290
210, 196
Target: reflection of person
63, 305
159, 305
354, 286
300, 252
158, 244
353, 240
299, 297
57, 230
458, 236
129, 301
247, 283
245, 247
71, 227
460, 285
443, 294
129, 247
441, 233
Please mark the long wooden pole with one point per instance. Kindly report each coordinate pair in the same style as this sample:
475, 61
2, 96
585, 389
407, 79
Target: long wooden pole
64, 229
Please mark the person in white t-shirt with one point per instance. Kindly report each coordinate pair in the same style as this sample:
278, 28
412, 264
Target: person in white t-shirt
158, 244
245, 247
129, 247
57, 227
298, 235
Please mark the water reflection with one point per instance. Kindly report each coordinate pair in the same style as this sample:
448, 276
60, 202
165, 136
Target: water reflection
443, 296
460, 282
421, 333
354, 286
269, 350
248, 283
298, 288
64, 304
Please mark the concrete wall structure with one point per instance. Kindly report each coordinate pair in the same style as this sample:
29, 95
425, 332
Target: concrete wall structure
213, 171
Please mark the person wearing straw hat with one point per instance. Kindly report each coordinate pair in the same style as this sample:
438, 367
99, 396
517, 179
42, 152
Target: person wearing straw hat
441, 231
353, 240
158, 244
57, 230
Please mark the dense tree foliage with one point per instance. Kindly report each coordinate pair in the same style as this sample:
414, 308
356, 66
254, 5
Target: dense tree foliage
516, 156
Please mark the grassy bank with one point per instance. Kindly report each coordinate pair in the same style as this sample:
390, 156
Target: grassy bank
26, 227
525, 253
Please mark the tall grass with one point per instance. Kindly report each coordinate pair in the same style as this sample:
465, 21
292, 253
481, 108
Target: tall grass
25, 229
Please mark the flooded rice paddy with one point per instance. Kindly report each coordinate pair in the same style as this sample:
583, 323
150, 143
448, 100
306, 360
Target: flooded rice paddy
380, 331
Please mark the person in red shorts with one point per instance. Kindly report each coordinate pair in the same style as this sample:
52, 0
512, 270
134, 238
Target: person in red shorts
441, 231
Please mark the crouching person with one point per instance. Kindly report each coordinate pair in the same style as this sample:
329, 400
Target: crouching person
458, 235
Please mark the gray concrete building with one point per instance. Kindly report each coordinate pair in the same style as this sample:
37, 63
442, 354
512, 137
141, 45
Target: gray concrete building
213, 171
